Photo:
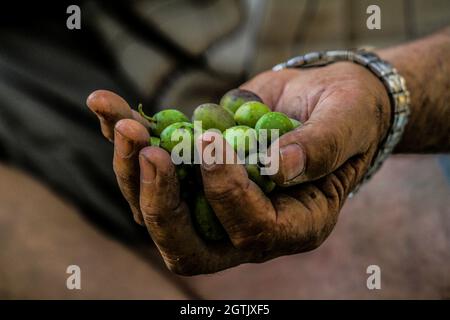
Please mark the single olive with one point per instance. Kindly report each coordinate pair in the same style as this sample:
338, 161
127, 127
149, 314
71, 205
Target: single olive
234, 98
273, 120
184, 131
241, 138
250, 112
264, 182
213, 116
206, 221
295, 123
163, 119
154, 141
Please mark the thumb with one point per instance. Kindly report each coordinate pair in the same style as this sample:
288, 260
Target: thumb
330, 137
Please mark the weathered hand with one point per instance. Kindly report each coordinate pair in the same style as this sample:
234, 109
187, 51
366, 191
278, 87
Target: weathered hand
346, 113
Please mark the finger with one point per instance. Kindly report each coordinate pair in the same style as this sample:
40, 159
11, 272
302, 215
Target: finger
109, 108
304, 218
245, 212
167, 218
308, 212
129, 138
332, 135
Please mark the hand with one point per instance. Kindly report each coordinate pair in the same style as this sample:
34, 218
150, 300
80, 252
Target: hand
346, 115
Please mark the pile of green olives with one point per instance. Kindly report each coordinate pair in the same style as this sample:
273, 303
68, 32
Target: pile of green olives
241, 117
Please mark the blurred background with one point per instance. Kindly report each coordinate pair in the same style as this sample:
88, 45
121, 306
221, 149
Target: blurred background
59, 202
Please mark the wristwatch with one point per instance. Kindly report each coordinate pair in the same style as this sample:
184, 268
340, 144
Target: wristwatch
392, 80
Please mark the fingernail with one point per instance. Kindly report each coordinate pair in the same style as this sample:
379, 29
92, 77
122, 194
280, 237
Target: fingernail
292, 159
148, 170
123, 146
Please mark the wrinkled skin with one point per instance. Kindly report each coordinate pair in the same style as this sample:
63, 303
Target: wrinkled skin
346, 114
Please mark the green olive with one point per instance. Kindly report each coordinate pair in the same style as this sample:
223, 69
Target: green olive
206, 221
233, 99
250, 112
274, 120
163, 119
213, 116
264, 182
241, 138
295, 123
185, 130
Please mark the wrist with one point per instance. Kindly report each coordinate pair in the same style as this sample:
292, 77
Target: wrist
382, 103
373, 87
425, 66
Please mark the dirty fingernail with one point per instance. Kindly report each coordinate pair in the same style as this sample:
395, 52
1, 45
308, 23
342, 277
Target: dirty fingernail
292, 158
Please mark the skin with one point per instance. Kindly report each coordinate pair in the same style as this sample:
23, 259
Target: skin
346, 114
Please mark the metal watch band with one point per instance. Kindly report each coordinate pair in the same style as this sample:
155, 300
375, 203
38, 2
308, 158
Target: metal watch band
392, 80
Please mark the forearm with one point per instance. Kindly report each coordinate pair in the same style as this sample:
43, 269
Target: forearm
425, 65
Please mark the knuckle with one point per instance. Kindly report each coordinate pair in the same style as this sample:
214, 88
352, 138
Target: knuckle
232, 190
128, 185
138, 219
319, 237
312, 242
253, 239
153, 218
179, 269
150, 212
264, 76
335, 189
118, 171
162, 217
123, 173
107, 131
182, 266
